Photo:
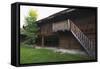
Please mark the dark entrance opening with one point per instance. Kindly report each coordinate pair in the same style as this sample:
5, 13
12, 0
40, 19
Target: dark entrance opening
51, 41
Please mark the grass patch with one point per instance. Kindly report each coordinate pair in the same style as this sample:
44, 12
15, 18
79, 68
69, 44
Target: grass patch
31, 55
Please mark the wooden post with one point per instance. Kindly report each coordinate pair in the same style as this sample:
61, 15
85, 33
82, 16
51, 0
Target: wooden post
42, 41
69, 27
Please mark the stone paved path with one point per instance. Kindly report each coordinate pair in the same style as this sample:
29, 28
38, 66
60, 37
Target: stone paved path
70, 51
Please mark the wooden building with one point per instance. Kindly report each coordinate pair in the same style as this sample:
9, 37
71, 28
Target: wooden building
70, 29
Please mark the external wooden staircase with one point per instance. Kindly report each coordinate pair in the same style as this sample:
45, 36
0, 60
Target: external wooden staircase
87, 43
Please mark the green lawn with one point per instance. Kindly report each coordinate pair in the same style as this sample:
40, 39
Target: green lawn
31, 55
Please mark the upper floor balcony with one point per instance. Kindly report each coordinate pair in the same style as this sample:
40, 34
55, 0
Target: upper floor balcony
61, 26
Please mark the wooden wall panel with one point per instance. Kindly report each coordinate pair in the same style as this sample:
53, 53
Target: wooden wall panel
46, 29
68, 41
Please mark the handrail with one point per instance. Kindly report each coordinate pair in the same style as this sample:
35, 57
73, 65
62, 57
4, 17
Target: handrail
83, 39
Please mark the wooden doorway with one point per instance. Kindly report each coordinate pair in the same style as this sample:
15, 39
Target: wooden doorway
51, 41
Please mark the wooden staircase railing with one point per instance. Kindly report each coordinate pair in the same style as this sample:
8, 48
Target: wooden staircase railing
87, 44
